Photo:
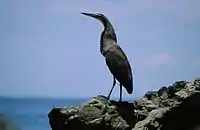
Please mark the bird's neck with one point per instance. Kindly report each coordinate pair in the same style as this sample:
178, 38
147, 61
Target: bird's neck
108, 32
108, 35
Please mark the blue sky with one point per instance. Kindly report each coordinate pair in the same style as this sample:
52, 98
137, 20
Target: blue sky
48, 49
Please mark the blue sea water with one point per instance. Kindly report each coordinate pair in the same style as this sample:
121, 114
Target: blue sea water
32, 114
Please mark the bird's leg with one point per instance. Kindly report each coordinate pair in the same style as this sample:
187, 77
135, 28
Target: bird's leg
120, 100
114, 83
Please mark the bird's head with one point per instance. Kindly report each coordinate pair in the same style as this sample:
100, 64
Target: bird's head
98, 16
108, 28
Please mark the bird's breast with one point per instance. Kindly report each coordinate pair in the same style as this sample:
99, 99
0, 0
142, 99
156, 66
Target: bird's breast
106, 46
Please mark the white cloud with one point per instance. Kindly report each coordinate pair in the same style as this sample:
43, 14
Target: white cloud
156, 60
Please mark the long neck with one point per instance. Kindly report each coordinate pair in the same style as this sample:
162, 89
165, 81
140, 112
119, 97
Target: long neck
108, 32
107, 36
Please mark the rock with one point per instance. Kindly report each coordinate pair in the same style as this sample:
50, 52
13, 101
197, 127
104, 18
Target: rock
162, 93
98, 114
8, 124
176, 107
150, 95
185, 116
177, 86
182, 94
151, 120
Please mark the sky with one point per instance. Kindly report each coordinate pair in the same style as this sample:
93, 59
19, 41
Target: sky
48, 49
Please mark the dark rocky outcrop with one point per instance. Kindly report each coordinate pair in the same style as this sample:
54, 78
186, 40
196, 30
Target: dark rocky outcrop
97, 114
176, 107
7, 124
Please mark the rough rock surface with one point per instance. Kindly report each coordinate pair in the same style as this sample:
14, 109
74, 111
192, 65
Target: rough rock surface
7, 124
176, 107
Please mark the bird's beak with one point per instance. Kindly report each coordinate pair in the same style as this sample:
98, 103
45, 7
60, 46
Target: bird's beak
90, 14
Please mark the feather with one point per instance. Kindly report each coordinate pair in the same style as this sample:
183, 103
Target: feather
119, 66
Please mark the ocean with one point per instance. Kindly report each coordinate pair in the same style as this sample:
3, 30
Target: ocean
30, 114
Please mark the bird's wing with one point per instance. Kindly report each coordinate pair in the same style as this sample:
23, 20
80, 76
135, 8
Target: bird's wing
119, 66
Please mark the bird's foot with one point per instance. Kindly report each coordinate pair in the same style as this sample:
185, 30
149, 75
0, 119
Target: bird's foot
120, 100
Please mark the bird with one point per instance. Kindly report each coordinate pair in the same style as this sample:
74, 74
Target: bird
115, 58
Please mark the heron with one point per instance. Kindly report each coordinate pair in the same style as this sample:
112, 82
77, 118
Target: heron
115, 58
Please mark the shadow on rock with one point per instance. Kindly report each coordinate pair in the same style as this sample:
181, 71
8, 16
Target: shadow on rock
186, 116
126, 111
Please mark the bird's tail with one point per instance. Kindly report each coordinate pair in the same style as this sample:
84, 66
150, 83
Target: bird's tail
129, 87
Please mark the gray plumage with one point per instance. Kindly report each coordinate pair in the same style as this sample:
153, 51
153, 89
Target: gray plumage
115, 58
